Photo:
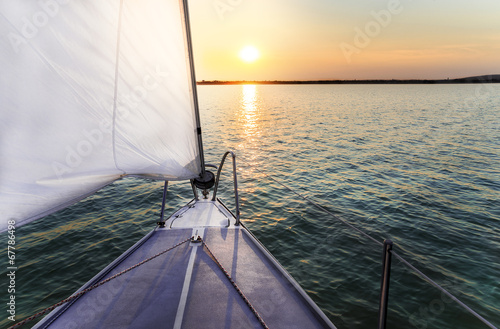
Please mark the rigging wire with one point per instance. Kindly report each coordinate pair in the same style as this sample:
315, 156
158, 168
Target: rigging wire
404, 261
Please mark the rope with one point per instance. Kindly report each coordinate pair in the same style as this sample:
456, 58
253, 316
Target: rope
228, 276
404, 261
72, 297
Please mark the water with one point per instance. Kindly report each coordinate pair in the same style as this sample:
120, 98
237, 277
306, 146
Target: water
418, 164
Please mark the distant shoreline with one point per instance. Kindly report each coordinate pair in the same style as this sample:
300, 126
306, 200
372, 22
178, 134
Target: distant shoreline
478, 79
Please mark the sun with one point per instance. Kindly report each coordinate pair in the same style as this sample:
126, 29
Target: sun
249, 54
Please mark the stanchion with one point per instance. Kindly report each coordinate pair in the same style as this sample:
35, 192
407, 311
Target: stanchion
161, 222
384, 285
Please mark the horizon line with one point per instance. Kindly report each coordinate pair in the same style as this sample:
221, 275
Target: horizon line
491, 78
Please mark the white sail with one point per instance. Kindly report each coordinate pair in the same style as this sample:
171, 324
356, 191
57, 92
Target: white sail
91, 91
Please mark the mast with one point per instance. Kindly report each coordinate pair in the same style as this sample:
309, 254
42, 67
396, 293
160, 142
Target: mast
193, 83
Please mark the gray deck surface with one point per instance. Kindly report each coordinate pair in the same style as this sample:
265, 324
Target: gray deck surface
148, 296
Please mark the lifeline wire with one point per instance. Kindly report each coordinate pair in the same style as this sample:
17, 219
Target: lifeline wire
426, 278
72, 297
317, 205
404, 261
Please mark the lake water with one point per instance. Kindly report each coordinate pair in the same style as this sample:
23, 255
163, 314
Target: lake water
417, 164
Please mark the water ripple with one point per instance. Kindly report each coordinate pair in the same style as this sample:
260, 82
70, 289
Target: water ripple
415, 163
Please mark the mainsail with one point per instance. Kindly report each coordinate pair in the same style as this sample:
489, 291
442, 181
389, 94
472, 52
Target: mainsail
92, 91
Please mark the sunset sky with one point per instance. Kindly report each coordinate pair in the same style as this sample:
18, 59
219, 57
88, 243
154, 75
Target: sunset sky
339, 39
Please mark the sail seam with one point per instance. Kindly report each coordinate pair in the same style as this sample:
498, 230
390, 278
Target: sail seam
115, 94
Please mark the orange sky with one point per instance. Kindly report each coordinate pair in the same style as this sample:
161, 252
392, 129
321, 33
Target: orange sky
338, 39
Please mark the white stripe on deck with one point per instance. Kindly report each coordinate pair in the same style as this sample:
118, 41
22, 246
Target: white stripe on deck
187, 279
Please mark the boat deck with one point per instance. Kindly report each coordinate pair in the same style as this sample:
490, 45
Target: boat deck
185, 288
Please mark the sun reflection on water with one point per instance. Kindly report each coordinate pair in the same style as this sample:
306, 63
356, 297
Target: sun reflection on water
249, 116
250, 131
